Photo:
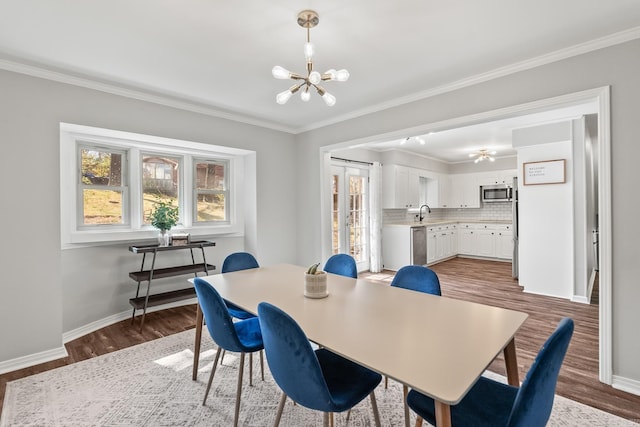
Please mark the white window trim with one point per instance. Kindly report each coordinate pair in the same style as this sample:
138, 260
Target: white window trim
73, 236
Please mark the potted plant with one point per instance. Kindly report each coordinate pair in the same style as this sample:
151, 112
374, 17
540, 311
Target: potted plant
163, 216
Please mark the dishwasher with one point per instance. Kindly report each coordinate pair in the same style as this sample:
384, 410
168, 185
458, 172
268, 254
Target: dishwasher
419, 245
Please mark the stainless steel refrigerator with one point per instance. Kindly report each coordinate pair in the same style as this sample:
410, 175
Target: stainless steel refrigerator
514, 208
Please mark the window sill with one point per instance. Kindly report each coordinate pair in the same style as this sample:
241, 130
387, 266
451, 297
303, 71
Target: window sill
89, 238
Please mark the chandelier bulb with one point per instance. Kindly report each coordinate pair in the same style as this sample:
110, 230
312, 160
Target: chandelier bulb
329, 99
315, 77
280, 72
342, 75
309, 51
283, 97
305, 95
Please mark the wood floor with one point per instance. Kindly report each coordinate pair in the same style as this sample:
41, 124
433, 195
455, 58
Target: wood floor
485, 282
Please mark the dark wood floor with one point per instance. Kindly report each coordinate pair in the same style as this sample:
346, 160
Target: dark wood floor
485, 282
490, 283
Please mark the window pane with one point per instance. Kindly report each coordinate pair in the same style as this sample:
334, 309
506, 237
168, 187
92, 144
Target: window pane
101, 167
102, 206
211, 207
210, 176
159, 182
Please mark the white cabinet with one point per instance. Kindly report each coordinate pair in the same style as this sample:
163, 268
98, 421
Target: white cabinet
504, 241
485, 241
445, 199
400, 187
467, 239
442, 242
432, 246
498, 177
464, 191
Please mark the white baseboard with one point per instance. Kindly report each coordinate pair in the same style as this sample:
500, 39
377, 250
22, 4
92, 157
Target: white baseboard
115, 318
626, 384
32, 359
61, 352
579, 298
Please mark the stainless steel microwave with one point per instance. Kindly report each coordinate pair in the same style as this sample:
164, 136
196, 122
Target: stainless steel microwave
497, 193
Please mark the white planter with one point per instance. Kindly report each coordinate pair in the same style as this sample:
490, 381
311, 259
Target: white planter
315, 285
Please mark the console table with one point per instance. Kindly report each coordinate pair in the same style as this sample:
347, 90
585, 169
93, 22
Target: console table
142, 302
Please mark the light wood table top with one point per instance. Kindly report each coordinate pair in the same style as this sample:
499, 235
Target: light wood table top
436, 345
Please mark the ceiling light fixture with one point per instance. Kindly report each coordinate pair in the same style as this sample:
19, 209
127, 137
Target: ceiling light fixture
308, 19
482, 155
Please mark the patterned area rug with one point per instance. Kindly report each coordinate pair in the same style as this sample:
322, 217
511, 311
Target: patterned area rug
150, 385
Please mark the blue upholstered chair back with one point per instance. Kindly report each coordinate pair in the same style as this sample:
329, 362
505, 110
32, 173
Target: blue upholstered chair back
534, 401
342, 264
292, 361
417, 278
239, 261
217, 317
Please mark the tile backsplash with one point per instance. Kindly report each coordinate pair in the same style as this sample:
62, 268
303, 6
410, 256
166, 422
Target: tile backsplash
498, 211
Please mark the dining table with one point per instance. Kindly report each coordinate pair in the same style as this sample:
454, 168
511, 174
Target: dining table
436, 345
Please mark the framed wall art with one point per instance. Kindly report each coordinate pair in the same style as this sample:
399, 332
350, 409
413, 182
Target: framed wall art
544, 172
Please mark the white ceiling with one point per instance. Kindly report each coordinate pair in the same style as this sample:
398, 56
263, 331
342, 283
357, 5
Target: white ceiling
217, 55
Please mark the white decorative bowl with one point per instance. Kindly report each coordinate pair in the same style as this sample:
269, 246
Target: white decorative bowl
315, 285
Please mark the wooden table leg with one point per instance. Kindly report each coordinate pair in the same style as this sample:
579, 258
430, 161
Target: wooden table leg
511, 363
196, 345
443, 414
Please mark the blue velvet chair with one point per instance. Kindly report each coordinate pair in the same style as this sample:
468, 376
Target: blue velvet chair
235, 262
342, 264
319, 380
417, 278
243, 336
421, 279
494, 404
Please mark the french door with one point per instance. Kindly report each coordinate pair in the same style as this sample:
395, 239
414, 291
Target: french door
350, 213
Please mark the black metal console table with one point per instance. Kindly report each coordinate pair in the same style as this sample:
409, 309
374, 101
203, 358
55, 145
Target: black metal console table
142, 302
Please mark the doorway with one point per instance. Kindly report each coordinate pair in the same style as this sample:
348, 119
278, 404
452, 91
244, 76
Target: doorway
350, 213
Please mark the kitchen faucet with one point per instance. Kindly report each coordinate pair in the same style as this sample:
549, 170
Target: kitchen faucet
428, 210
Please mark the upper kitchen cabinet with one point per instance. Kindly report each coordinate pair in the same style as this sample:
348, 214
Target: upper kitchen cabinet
464, 191
498, 177
400, 187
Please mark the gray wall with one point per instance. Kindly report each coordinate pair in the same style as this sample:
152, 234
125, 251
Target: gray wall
35, 272
617, 66
45, 291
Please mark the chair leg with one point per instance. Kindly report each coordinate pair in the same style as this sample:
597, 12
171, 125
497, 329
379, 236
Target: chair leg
239, 390
222, 358
325, 419
374, 407
419, 421
346, 421
262, 364
386, 382
213, 372
283, 399
405, 391
331, 420
250, 369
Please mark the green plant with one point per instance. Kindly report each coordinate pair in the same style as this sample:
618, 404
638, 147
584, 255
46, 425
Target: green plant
163, 216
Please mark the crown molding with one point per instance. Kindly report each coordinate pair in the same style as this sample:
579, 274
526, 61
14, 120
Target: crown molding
558, 55
139, 94
190, 105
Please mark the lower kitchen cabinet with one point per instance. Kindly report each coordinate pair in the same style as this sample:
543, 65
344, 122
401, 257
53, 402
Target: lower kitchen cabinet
485, 240
442, 242
504, 242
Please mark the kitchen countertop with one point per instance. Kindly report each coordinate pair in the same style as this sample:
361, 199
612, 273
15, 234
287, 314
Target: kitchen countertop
443, 221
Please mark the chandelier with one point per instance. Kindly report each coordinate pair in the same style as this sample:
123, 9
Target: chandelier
308, 19
483, 155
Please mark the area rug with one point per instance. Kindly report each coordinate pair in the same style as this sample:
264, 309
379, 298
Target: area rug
150, 385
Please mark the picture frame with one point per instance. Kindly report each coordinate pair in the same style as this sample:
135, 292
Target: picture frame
180, 239
544, 172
